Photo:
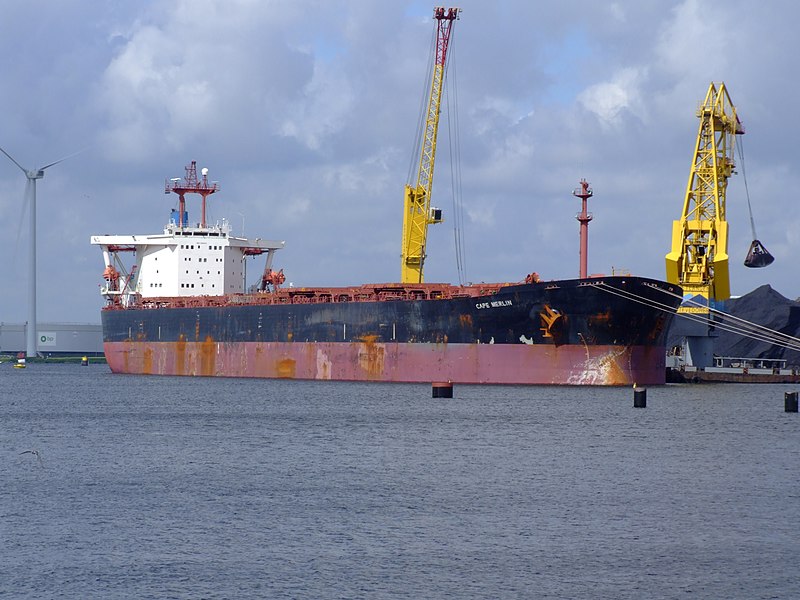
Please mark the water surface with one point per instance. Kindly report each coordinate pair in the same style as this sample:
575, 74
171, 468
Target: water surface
166, 487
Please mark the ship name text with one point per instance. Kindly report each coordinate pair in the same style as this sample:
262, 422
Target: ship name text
493, 304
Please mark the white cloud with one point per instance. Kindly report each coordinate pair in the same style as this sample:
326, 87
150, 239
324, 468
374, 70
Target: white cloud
306, 110
200, 69
693, 43
611, 100
483, 214
617, 12
322, 109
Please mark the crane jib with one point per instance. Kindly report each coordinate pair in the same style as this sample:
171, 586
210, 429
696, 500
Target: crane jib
417, 213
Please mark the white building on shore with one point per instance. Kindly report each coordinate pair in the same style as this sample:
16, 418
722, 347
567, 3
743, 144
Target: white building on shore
54, 339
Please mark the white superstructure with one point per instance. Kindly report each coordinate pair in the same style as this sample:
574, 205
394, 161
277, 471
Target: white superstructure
185, 260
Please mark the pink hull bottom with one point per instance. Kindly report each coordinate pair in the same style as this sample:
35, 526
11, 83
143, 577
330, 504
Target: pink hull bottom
395, 362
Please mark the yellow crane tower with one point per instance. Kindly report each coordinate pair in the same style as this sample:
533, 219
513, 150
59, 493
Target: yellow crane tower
698, 260
418, 213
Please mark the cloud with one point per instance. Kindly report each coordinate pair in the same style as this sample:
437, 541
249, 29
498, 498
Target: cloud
611, 100
163, 87
483, 214
691, 37
306, 113
322, 108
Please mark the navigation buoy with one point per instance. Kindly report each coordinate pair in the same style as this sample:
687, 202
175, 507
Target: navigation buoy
85, 361
790, 402
442, 389
639, 397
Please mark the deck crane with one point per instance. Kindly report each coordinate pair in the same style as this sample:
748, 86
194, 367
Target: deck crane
418, 213
698, 260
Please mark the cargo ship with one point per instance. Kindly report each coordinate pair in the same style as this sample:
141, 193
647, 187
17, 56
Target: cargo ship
183, 307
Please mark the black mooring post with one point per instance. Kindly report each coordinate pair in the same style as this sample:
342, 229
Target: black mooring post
639, 397
442, 390
790, 402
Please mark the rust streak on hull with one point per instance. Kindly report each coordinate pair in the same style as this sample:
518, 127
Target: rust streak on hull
395, 362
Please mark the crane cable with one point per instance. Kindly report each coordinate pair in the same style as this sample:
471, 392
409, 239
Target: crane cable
740, 148
453, 130
414, 157
757, 256
736, 325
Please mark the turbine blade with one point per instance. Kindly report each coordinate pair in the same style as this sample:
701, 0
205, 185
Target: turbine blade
59, 160
11, 158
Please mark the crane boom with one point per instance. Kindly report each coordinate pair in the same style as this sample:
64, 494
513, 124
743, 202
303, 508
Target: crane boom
417, 213
698, 260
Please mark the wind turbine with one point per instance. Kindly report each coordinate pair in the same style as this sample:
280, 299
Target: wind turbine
30, 197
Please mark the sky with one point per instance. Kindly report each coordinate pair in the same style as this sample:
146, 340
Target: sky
306, 112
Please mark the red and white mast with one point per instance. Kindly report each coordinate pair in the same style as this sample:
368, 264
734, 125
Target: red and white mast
191, 185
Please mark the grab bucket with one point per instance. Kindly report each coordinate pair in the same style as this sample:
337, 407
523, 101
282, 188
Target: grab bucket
758, 256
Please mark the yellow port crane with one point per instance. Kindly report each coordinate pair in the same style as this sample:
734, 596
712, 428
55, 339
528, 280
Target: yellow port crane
418, 214
698, 260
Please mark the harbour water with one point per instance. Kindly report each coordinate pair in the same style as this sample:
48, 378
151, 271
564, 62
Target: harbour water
159, 487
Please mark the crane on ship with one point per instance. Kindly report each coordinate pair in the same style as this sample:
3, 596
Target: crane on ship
417, 210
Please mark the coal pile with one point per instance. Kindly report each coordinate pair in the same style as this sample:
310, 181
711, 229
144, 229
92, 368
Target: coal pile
763, 306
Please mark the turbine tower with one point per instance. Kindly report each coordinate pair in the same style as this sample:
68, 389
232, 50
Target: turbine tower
30, 197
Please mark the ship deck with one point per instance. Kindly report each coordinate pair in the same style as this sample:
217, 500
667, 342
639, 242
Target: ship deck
383, 292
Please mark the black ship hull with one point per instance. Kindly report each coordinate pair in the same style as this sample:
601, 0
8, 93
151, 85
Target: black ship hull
603, 331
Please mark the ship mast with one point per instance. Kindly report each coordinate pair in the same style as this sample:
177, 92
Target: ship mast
584, 193
191, 185
418, 214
